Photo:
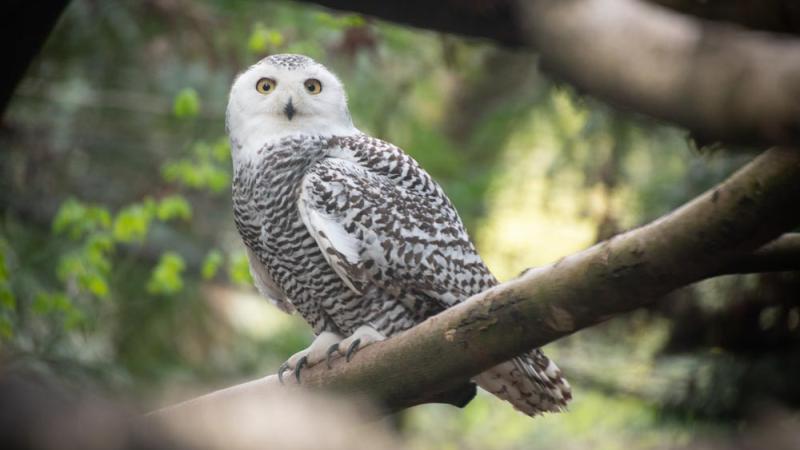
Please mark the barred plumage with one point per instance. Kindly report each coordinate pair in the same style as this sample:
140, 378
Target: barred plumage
349, 230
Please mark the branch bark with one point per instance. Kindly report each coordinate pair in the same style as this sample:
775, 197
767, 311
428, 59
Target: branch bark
24, 27
705, 237
780, 255
722, 82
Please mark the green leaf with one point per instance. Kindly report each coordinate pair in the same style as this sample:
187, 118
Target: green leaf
7, 299
76, 219
174, 207
95, 283
186, 104
339, 22
211, 264
221, 150
239, 269
132, 223
261, 39
204, 175
167, 276
3, 265
46, 303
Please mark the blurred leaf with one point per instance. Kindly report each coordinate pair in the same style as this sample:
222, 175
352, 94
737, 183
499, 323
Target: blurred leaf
211, 264
95, 283
186, 104
339, 22
167, 276
77, 219
174, 207
3, 266
49, 302
262, 39
239, 269
221, 150
203, 175
132, 223
7, 299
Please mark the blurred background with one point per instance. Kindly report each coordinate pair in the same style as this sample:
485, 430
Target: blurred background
121, 271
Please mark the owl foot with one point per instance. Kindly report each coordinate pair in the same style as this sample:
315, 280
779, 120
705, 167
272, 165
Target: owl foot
314, 354
364, 336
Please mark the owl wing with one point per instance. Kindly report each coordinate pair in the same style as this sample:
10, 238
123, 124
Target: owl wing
265, 285
390, 226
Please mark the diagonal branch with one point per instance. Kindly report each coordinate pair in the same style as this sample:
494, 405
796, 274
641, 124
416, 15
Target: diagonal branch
705, 237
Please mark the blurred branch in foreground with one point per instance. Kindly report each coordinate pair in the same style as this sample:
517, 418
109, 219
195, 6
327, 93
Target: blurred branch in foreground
712, 234
721, 82
24, 27
42, 416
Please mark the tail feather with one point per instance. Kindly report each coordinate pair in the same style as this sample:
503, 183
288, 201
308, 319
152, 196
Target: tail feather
530, 382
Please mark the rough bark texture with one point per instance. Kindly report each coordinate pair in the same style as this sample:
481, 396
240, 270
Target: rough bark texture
705, 237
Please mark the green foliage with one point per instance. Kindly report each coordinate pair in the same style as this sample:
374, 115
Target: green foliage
132, 222
211, 264
76, 219
207, 168
167, 276
58, 303
186, 104
339, 22
239, 269
174, 207
263, 39
8, 302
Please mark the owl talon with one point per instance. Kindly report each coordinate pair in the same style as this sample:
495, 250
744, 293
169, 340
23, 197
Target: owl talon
300, 364
329, 353
283, 368
352, 349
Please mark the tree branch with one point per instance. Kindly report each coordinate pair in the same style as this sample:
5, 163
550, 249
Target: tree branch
721, 82
24, 27
780, 255
697, 241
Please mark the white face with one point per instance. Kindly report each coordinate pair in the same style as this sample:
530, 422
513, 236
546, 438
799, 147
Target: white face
283, 95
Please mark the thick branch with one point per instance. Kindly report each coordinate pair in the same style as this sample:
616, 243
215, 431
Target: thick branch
721, 82
781, 16
780, 255
24, 26
699, 240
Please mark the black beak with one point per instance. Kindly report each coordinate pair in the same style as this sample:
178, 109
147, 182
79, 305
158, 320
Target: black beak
289, 109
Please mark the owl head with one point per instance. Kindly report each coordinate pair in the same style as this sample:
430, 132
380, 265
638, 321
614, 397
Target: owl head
283, 95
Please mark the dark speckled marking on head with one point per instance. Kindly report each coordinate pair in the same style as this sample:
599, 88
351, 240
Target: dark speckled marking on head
290, 61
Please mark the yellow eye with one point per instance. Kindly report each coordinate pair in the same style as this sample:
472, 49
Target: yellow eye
313, 86
265, 85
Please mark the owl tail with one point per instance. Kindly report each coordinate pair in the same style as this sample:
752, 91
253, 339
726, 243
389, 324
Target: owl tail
530, 382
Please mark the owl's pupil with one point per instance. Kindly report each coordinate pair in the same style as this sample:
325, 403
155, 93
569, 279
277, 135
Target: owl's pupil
310, 87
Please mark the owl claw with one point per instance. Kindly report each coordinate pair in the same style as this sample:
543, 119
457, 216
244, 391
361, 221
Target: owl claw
352, 349
329, 353
300, 364
283, 368
310, 356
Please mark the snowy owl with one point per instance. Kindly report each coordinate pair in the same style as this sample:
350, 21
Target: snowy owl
348, 230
